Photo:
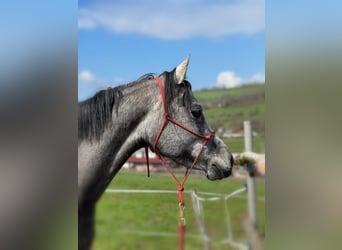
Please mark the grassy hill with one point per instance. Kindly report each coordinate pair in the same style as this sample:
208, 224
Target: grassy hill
228, 108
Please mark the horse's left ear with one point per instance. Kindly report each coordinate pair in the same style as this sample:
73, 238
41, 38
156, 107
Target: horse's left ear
181, 69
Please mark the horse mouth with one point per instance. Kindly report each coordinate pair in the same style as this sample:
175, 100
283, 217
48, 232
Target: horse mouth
200, 168
216, 173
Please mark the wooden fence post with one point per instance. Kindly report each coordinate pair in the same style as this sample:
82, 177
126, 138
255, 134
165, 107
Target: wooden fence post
250, 179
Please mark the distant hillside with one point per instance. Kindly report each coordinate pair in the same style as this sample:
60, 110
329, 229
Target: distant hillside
228, 108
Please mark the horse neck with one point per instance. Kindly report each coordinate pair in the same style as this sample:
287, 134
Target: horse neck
100, 160
134, 119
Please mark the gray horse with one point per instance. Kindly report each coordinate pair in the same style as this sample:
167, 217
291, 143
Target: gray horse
116, 122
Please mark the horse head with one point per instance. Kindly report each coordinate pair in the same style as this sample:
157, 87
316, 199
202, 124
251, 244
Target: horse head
184, 135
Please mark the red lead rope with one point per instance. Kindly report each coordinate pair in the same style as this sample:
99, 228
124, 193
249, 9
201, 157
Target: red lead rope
206, 138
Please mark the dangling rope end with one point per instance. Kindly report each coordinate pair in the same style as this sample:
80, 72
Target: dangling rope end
147, 161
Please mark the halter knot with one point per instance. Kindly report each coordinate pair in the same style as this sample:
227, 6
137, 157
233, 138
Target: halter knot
180, 195
208, 136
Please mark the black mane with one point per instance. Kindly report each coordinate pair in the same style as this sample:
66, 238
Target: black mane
95, 113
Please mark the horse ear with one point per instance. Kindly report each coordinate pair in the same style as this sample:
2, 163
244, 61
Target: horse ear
181, 69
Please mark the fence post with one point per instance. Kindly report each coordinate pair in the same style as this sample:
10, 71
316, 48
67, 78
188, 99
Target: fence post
250, 179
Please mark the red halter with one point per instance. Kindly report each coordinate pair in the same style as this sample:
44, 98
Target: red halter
180, 183
167, 119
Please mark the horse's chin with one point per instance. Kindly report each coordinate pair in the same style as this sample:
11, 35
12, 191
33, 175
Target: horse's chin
215, 173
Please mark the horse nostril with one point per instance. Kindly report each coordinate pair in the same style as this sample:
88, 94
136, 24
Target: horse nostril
228, 173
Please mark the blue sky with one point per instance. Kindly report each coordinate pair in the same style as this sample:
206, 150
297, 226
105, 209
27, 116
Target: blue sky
121, 40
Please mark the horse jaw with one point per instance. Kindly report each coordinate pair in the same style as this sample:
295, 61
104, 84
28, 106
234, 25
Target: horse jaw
181, 69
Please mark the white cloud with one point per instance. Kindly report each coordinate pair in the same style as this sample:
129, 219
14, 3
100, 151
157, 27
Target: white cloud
176, 19
228, 79
86, 23
86, 76
89, 84
257, 78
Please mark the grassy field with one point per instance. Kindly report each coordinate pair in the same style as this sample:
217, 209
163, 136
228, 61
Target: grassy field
225, 116
237, 145
124, 221
232, 117
205, 95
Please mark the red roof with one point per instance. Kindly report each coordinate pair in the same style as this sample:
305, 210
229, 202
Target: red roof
142, 160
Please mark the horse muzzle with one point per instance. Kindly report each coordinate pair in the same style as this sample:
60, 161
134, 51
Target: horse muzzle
217, 171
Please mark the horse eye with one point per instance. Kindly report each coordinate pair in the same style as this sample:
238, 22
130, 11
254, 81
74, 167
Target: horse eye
196, 111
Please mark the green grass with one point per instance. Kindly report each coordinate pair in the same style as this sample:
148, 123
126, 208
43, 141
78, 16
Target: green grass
232, 117
237, 144
205, 95
119, 216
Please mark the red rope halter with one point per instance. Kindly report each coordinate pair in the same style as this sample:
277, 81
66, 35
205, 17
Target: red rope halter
180, 183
